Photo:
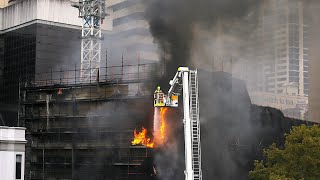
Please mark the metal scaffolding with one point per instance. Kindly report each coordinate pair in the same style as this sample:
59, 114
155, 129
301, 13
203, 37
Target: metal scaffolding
92, 13
71, 135
112, 74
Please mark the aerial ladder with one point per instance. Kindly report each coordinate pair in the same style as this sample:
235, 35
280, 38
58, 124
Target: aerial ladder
186, 81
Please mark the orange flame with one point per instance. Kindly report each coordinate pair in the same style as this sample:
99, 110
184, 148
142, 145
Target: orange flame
159, 135
142, 139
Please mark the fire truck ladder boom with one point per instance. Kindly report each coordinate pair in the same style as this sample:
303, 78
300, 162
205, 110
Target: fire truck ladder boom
188, 79
195, 125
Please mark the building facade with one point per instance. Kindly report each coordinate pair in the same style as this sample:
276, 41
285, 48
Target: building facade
12, 152
131, 38
292, 106
34, 38
4, 3
40, 46
314, 97
279, 52
84, 131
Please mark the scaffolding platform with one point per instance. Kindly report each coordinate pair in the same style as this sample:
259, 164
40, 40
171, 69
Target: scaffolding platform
73, 125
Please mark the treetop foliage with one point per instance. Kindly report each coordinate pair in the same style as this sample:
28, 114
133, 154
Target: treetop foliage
299, 159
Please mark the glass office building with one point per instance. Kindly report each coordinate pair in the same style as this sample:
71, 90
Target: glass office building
32, 50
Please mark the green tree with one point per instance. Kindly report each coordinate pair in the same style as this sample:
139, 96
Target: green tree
299, 159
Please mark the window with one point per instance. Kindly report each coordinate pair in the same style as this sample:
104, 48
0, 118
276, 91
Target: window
294, 67
122, 5
293, 73
128, 18
281, 73
18, 166
282, 67
294, 79
131, 32
282, 79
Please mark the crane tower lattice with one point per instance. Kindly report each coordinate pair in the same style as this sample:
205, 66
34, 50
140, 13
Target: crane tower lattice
92, 13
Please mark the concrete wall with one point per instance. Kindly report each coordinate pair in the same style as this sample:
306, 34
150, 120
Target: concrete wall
51, 10
19, 13
47, 10
59, 11
3, 3
12, 134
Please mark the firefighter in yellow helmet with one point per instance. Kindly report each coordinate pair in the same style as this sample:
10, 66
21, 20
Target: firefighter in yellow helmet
158, 90
158, 98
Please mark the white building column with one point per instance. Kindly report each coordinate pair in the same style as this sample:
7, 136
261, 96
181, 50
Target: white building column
12, 152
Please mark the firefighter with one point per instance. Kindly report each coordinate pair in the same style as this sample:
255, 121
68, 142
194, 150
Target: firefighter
158, 98
158, 90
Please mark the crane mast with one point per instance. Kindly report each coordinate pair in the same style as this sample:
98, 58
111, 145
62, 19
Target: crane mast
186, 80
92, 13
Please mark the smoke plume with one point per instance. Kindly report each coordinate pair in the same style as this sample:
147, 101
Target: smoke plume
180, 26
195, 33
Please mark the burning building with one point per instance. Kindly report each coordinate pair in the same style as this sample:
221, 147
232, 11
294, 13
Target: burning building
84, 131
160, 131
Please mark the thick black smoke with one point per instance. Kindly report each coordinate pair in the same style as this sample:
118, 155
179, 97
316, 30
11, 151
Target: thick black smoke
176, 26
172, 23
233, 131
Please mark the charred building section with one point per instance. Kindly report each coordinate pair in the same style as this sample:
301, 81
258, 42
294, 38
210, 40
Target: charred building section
84, 131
